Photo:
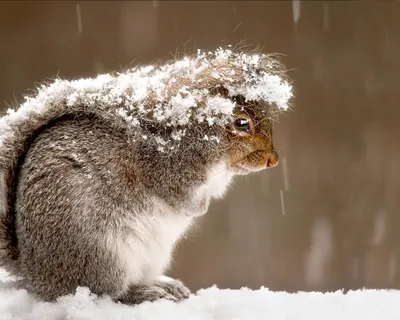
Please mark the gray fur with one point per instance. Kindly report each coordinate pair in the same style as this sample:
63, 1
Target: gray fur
79, 179
81, 176
88, 199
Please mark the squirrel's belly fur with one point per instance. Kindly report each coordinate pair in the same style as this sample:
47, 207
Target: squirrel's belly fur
154, 234
145, 252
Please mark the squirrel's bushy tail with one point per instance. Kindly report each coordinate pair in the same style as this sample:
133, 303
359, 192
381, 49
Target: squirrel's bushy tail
17, 130
13, 147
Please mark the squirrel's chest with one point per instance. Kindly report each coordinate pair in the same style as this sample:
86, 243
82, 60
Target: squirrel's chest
144, 251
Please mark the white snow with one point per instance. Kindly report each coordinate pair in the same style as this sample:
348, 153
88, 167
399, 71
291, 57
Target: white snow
206, 304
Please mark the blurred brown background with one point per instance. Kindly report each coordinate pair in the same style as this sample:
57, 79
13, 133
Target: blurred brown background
328, 216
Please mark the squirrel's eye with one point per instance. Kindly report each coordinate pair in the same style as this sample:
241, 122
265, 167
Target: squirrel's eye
242, 124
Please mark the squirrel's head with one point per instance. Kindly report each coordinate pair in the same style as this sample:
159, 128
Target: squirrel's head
250, 140
221, 103
247, 138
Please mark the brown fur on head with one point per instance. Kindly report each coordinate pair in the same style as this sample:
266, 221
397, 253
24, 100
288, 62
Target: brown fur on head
251, 147
250, 139
249, 135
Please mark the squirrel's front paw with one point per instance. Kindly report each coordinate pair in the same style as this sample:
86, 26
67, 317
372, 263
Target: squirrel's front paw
137, 295
173, 287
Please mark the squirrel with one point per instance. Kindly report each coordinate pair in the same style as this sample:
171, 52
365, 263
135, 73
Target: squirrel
100, 177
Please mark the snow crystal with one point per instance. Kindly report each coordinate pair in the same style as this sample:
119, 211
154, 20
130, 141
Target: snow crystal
218, 104
178, 134
174, 94
211, 303
296, 11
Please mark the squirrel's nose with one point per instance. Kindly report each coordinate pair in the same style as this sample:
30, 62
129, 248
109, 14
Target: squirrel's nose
273, 159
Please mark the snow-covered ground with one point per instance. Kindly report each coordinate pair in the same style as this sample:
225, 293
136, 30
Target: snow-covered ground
207, 304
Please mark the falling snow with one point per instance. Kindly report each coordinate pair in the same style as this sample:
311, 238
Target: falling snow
282, 202
285, 174
79, 17
296, 11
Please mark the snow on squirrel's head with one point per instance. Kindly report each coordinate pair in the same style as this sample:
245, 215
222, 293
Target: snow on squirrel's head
226, 98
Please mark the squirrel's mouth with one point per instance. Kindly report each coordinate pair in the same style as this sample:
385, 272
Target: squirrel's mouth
255, 161
241, 169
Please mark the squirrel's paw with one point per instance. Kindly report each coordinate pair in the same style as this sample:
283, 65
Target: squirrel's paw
174, 287
137, 295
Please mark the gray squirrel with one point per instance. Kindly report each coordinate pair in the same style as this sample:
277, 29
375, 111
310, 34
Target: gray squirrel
100, 177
